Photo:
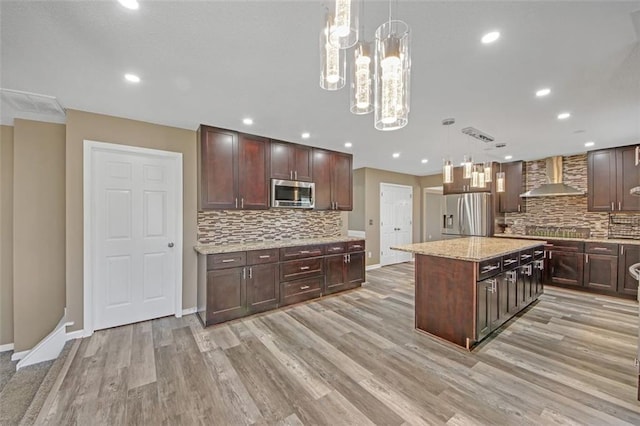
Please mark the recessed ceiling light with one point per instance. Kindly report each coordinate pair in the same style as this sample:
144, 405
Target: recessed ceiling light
306, 135
543, 92
132, 78
564, 116
248, 121
396, 154
590, 143
129, 4
490, 37
348, 144
424, 161
508, 157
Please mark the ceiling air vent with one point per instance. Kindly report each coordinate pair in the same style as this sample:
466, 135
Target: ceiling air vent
32, 102
481, 136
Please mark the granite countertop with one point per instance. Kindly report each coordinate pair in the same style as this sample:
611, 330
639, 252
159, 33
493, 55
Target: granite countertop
474, 249
229, 248
586, 240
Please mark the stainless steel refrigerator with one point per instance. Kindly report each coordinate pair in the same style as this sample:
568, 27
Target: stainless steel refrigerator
467, 215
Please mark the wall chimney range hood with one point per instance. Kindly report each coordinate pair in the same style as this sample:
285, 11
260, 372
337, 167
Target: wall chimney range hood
554, 186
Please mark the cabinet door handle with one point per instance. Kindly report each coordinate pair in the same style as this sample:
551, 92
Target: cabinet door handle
250, 273
637, 155
304, 268
242, 203
236, 203
612, 208
296, 174
586, 258
264, 256
244, 273
291, 174
518, 207
619, 205
349, 258
621, 250
304, 287
228, 260
550, 255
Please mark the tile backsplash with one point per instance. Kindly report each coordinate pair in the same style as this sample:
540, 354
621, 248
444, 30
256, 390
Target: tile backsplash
242, 226
563, 211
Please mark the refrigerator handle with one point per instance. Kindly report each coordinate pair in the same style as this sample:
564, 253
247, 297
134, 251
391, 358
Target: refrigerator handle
460, 208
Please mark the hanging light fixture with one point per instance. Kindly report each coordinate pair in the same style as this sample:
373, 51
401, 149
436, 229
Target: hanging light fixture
393, 69
344, 33
447, 166
481, 176
500, 180
467, 167
488, 171
475, 178
362, 74
332, 58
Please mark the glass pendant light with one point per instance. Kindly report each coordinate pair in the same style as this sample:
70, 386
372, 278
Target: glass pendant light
475, 178
362, 79
488, 171
332, 59
481, 176
344, 33
467, 167
447, 172
393, 70
500, 180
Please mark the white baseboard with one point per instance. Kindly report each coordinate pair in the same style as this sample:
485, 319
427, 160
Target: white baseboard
48, 348
78, 334
7, 347
17, 356
189, 311
376, 266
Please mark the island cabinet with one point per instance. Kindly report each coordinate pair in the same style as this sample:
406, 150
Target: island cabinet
332, 174
233, 170
629, 254
611, 173
291, 161
462, 296
510, 201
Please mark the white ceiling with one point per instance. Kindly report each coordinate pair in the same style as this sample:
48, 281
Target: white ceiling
216, 62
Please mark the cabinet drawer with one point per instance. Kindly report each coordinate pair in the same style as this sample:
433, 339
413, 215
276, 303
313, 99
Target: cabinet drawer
510, 261
302, 268
300, 290
226, 260
489, 268
336, 248
256, 257
300, 252
526, 256
610, 249
355, 246
573, 246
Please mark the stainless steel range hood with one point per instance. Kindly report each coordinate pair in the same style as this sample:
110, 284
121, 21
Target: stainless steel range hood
554, 186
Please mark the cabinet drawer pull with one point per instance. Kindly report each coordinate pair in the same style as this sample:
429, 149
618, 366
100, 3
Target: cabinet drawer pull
537, 252
264, 256
490, 267
599, 248
509, 261
356, 246
335, 248
228, 260
304, 252
304, 287
304, 268
525, 256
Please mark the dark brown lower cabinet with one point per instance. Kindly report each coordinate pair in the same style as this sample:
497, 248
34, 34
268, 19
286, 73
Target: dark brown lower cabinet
355, 269
629, 254
263, 287
226, 295
565, 268
343, 272
486, 302
601, 272
301, 290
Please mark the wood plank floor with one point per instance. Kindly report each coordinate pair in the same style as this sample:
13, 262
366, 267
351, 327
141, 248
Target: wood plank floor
355, 359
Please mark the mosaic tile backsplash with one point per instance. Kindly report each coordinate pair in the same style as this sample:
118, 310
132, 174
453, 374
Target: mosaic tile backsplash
563, 211
243, 226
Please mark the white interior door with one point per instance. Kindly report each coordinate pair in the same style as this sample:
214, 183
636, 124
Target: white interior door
396, 222
136, 205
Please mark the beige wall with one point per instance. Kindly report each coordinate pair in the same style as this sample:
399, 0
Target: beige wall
6, 235
83, 125
39, 230
356, 216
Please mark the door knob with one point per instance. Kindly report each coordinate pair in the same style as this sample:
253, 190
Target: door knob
170, 245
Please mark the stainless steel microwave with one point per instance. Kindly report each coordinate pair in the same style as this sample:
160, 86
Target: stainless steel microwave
293, 194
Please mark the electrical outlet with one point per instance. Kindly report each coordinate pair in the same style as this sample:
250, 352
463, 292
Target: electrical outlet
370, 255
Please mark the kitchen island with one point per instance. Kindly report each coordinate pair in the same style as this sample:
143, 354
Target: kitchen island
468, 287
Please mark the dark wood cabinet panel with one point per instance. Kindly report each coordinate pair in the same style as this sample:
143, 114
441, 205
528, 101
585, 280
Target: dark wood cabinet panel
483, 307
218, 164
355, 269
601, 272
298, 252
333, 176
302, 268
263, 288
255, 257
509, 201
629, 255
334, 273
566, 268
253, 172
301, 290
226, 295
628, 176
290, 161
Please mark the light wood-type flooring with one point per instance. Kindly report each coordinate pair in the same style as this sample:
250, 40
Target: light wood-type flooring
355, 359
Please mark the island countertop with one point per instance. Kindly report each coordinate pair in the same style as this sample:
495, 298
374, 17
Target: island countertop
473, 249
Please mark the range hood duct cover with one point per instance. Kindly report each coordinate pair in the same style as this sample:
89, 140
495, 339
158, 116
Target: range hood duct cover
554, 186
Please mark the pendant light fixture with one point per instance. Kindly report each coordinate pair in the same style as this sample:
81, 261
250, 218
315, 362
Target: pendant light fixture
344, 33
467, 167
362, 74
500, 180
392, 74
447, 166
488, 171
332, 58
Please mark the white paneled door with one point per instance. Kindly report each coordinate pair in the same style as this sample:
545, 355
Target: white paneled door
135, 208
396, 223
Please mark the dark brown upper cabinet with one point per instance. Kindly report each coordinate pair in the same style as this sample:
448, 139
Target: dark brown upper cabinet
510, 200
611, 173
290, 161
332, 174
233, 170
